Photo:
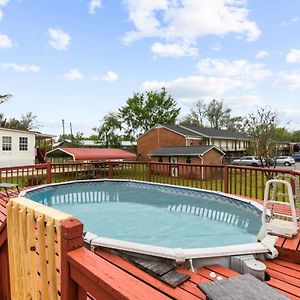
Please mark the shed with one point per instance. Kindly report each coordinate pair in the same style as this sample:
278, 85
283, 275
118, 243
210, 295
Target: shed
90, 154
202, 155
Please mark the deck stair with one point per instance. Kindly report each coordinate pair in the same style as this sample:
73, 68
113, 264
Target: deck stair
278, 190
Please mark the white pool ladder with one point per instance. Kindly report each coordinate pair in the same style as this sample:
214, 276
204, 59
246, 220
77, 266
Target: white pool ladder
276, 223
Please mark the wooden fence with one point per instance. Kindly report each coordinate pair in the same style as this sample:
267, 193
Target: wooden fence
47, 260
238, 180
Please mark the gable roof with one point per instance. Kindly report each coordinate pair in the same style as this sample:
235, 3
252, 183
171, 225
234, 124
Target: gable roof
215, 133
184, 151
181, 130
200, 132
91, 153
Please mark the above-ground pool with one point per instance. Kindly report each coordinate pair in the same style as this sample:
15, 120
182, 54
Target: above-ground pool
132, 214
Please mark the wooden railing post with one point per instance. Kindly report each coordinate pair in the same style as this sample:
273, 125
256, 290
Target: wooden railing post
71, 239
49, 174
226, 181
148, 171
110, 170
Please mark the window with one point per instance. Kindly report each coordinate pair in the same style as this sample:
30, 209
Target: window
188, 160
160, 159
23, 143
6, 143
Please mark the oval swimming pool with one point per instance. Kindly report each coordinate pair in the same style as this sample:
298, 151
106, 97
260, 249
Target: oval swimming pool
154, 214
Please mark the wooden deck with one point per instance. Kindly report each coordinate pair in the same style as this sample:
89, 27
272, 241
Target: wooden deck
283, 272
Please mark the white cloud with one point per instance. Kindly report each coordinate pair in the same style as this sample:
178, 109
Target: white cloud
5, 41
59, 40
94, 5
183, 22
295, 19
110, 76
217, 77
261, 54
193, 87
175, 50
3, 2
288, 80
245, 101
19, 67
240, 69
293, 56
73, 75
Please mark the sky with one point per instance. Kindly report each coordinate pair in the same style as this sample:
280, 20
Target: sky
78, 60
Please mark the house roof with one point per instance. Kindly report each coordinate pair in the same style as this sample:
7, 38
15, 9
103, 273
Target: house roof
91, 153
184, 151
216, 133
181, 130
17, 130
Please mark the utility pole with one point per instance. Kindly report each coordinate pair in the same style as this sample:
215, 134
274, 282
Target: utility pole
63, 128
71, 130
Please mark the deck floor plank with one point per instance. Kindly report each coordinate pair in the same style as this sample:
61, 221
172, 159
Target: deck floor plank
288, 264
292, 244
177, 293
284, 286
284, 270
222, 271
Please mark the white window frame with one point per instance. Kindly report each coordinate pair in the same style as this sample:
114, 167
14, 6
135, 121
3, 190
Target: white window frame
6, 145
23, 143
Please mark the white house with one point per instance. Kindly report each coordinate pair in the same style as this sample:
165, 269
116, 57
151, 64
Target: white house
18, 147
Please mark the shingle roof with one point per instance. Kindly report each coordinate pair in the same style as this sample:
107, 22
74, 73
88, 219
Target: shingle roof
181, 130
178, 151
212, 132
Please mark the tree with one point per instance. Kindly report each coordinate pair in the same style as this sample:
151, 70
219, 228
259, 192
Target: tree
108, 130
262, 126
236, 124
27, 122
196, 116
217, 114
4, 98
75, 140
143, 111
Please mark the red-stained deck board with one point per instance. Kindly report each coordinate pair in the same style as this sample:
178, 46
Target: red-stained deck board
222, 271
292, 244
279, 243
176, 293
284, 277
272, 265
192, 288
109, 278
284, 286
288, 264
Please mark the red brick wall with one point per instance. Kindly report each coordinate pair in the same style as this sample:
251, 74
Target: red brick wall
158, 138
212, 157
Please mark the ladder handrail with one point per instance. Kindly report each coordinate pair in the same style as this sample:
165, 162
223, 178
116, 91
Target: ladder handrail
274, 201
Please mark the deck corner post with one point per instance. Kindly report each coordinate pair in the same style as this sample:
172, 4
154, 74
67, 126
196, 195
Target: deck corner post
48, 170
71, 239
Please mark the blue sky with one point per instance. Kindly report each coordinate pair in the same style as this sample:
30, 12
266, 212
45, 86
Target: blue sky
80, 59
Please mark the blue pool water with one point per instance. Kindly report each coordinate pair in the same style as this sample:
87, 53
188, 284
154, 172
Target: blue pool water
154, 214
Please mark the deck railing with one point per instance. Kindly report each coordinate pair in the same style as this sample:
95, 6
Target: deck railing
81, 273
238, 180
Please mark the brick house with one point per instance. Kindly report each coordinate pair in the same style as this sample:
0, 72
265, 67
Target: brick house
200, 155
233, 144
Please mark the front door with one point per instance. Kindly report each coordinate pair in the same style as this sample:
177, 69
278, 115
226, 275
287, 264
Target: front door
174, 168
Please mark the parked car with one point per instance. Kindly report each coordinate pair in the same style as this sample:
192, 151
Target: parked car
296, 156
253, 161
284, 160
